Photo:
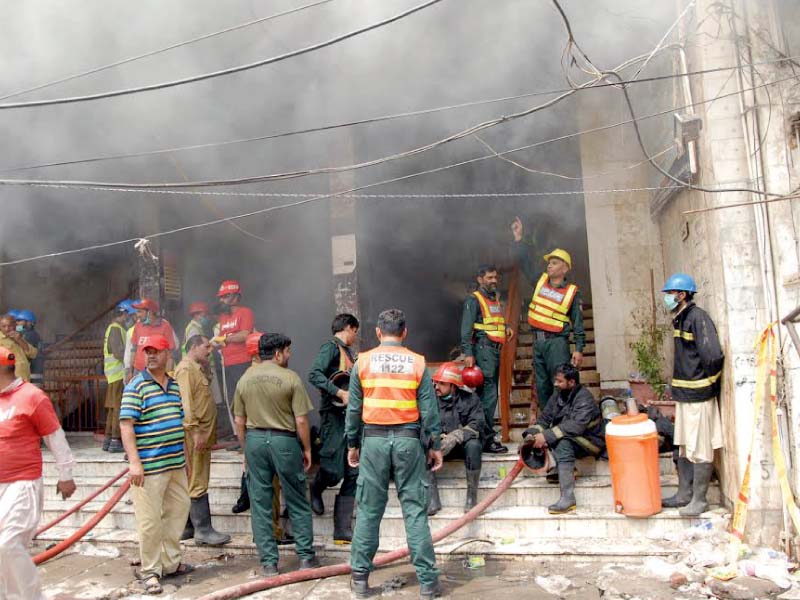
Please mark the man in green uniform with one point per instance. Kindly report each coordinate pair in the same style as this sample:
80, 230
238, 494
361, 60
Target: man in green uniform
392, 409
271, 408
335, 357
483, 333
555, 312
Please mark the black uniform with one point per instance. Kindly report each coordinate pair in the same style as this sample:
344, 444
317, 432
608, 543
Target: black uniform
463, 410
698, 356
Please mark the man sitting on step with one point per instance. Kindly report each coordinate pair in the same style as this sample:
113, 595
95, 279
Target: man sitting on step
463, 424
571, 426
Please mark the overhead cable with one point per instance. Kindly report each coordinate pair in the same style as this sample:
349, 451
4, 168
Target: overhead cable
222, 72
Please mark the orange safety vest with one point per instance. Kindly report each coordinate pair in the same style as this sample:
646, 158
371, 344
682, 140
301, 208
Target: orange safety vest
390, 376
550, 306
494, 323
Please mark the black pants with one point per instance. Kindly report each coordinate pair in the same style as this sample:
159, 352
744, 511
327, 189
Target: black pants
470, 451
567, 450
232, 375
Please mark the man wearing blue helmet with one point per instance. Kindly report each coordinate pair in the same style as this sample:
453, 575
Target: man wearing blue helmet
695, 388
114, 370
26, 326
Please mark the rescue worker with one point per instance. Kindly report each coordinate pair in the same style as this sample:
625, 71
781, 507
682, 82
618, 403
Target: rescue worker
200, 426
200, 324
462, 419
23, 352
392, 407
235, 324
114, 371
483, 333
572, 427
127, 360
150, 323
271, 408
695, 387
26, 325
335, 356
555, 312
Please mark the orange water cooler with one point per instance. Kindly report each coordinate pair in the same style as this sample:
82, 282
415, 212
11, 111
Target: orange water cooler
632, 444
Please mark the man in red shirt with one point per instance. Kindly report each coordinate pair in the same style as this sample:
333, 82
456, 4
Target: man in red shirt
149, 323
26, 416
235, 324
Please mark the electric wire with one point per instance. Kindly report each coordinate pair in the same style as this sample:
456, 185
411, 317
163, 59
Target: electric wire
222, 72
663, 39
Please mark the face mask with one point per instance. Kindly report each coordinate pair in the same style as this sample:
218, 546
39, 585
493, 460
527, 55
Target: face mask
147, 320
671, 302
20, 328
204, 322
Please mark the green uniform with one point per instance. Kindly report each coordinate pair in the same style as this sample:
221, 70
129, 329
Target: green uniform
396, 454
333, 466
551, 349
270, 397
487, 357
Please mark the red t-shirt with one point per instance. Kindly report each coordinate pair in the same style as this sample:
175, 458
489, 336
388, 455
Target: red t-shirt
240, 319
141, 331
26, 416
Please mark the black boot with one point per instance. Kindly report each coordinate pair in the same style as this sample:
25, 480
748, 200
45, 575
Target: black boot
684, 494
473, 478
566, 479
359, 584
115, 445
204, 533
243, 503
343, 520
106, 442
699, 503
427, 591
188, 529
317, 505
434, 503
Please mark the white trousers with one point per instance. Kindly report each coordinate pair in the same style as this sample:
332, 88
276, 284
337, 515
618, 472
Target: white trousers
20, 511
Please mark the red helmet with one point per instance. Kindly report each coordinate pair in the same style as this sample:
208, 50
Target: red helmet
229, 286
158, 342
472, 376
449, 372
6, 357
251, 343
197, 307
146, 304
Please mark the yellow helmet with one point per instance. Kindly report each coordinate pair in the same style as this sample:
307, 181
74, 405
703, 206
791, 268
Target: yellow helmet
562, 254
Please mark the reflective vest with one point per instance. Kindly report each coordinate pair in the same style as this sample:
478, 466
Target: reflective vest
494, 323
113, 368
345, 364
390, 376
549, 307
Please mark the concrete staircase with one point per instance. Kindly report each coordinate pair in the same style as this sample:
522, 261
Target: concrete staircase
517, 524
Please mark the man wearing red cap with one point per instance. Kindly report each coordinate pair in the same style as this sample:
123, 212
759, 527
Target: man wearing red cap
26, 416
235, 324
150, 324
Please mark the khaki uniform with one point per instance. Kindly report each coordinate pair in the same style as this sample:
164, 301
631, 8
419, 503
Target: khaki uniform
200, 415
22, 365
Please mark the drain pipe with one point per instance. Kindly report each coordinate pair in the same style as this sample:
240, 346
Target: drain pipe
243, 589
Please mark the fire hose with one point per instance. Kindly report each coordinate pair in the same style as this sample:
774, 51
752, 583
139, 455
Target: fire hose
243, 589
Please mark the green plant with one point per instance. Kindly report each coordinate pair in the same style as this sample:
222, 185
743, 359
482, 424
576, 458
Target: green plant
648, 355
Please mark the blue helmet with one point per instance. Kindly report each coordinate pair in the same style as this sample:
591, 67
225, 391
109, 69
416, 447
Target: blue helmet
126, 306
26, 315
14, 313
680, 282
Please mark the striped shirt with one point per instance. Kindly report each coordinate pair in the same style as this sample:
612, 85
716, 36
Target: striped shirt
157, 416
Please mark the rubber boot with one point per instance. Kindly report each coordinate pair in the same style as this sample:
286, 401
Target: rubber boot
359, 584
243, 503
566, 479
343, 520
188, 529
115, 445
699, 503
204, 533
106, 442
434, 503
684, 494
429, 591
317, 505
473, 478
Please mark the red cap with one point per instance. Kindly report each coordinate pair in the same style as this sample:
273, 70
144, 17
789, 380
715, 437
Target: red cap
197, 307
251, 343
6, 357
229, 286
159, 342
146, 304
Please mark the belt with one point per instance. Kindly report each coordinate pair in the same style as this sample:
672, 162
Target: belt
489, 343
378, 431
538, 334
273, 431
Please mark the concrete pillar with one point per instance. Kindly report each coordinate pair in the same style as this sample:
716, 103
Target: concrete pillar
343, 235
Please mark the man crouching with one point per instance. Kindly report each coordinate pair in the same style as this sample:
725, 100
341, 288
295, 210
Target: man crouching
571, 425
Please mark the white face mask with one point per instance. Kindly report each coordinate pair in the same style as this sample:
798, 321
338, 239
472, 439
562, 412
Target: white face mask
671, 301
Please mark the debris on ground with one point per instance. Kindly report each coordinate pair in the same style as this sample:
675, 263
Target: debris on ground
554, 584
87, 549
394, 583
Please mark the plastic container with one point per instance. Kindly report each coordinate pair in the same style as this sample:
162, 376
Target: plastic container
632, 444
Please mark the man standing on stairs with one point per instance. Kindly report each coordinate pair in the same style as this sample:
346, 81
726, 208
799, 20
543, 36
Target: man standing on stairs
26, 325
462, 419
150, 323
554, 312
483, 333
200, 424
236, 322
392, 406
13, 341
695, 387
114, 371
335, 356
572, 427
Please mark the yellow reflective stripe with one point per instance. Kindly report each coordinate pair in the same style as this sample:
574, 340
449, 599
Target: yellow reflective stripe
489, 320
546, 320
697, 383
686, 335
398, 384
387, 403
557, 432
551, 314
482, 327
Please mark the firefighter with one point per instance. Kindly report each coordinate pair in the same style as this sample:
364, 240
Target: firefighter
200, 324
235, 324
391, 407
483, 333
150, 323
26, 325
554, 312
335, 357
695, 387
114, 371
572, 427
462, 419
12, 339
